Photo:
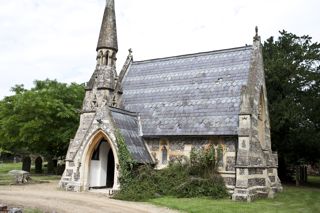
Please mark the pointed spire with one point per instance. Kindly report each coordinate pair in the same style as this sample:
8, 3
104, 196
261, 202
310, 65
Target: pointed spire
108, 32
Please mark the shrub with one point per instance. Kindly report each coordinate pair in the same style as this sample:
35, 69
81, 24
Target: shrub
183, 178
176, 180
198, 187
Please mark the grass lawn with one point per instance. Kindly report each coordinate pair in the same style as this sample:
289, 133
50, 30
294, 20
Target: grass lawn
304, 199
32, 211
6, 167
6, 179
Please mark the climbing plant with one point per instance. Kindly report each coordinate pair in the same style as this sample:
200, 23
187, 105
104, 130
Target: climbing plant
205, 160
126, 161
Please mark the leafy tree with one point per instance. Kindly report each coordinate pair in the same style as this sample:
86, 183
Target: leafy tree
40, 120
292, 65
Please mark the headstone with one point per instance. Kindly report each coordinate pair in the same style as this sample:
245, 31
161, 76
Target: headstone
26, 164
3, 208
15, 210
50, 166
20, 176
38, 165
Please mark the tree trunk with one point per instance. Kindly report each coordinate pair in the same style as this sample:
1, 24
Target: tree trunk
298, 175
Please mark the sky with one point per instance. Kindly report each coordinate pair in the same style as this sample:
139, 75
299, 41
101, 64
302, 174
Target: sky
56, 39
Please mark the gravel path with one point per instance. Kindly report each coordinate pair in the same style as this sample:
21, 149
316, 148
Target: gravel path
50, 199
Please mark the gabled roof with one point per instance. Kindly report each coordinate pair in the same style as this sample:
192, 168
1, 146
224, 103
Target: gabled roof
196, 94
128, 124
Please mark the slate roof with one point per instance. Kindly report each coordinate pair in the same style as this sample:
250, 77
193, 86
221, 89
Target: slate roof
129, 127
196, 94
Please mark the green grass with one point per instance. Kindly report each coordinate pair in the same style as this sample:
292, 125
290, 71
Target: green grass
6, 167
42, 178
32, 211
293, 199
314, 181
6, 179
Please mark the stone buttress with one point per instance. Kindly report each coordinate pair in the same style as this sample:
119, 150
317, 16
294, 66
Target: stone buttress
256, 164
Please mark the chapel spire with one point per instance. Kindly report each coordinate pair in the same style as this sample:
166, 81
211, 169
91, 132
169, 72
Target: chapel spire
107, 47
108, 32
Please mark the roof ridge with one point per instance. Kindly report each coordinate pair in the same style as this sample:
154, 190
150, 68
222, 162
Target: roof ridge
192, 54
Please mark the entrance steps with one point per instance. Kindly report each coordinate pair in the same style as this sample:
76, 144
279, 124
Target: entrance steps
109, 192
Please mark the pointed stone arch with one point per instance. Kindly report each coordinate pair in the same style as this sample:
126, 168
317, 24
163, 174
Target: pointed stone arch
94, 141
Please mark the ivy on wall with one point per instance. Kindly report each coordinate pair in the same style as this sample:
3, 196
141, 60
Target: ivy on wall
126, 161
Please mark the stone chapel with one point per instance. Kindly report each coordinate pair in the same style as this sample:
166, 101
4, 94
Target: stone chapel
163, 107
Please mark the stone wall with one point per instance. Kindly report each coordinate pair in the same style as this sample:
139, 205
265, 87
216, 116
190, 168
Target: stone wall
93, 127
178, 148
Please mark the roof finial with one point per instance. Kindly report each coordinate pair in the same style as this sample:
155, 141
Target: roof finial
256, 37
130, 51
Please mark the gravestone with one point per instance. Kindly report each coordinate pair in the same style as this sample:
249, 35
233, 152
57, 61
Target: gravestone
38, 165
3, 208
20, 176
50, 166
15, 210
26, 164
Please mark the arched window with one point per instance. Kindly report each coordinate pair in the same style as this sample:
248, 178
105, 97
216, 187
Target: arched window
164, 155
262, 120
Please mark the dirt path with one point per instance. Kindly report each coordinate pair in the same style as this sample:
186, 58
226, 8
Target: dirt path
50, 199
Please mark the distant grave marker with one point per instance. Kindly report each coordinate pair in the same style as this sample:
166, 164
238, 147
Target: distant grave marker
26, 164
38, 165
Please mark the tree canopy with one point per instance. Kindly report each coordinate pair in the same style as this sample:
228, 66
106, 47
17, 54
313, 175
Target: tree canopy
40, 120
292, 67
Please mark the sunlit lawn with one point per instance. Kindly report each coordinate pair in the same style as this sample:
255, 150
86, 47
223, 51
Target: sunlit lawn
6, 167
293, 199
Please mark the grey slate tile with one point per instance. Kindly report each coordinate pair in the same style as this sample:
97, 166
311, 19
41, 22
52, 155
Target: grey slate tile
184, 90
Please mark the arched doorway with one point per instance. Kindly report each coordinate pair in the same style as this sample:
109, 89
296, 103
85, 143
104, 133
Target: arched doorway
110, 170
101, 166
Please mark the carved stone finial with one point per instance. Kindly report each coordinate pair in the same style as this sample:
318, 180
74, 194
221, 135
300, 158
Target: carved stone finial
256, 37
130, 51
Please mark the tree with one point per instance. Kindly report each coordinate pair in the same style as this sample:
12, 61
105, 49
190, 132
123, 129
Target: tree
40, 120
292, 66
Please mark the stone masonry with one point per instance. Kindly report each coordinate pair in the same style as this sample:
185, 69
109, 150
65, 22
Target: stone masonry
165, 107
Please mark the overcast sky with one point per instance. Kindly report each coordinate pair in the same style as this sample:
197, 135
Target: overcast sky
56, 39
